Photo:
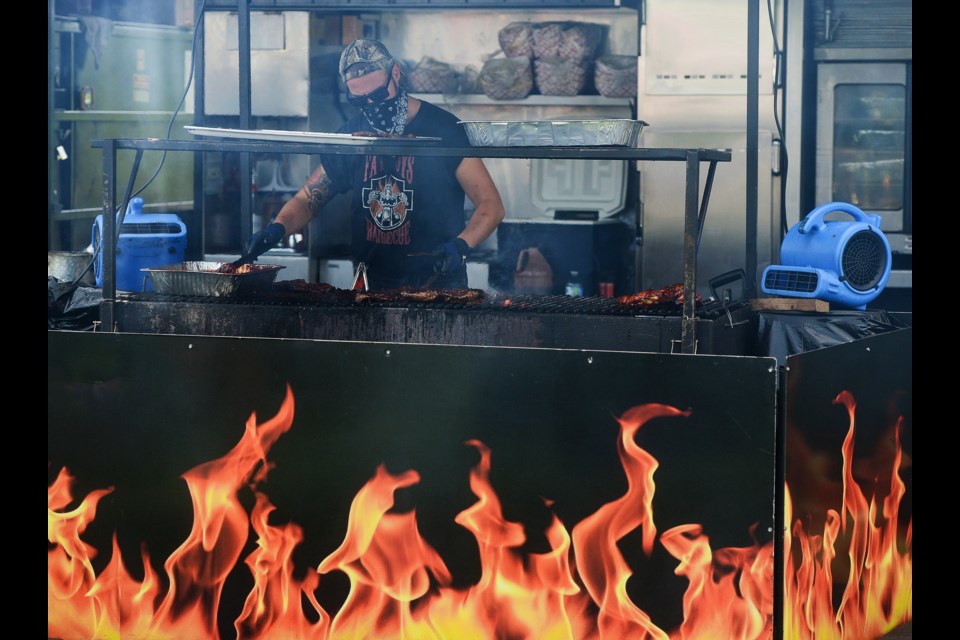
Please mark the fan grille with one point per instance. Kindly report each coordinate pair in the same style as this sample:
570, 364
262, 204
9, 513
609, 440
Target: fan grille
145, 228
793, 281
864, 260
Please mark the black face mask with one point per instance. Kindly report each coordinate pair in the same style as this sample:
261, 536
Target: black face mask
377, 95
388, 116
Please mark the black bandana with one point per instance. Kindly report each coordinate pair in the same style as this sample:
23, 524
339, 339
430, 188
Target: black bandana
389, 116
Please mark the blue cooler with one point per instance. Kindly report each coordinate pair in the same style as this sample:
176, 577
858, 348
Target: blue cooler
146, 240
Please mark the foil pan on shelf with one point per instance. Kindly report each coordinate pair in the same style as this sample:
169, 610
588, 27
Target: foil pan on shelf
554, 133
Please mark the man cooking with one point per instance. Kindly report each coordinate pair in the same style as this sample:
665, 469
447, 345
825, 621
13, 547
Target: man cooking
407, 212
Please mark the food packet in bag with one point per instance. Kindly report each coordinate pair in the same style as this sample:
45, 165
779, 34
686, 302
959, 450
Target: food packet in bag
433, 76
559, 77
616, 76
507, 78
547, 37
469, 79
516, 40
579, 41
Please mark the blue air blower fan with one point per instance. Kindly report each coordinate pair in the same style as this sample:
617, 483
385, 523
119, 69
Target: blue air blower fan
846, 262
146, 240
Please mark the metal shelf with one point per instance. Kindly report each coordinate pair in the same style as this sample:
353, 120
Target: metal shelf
386, 148
695, 207
346, 6
479, 99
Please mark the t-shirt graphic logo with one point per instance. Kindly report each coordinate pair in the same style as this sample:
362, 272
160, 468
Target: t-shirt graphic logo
387, 201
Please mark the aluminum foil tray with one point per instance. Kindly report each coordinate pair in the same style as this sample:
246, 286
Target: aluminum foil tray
554, 133
198, 278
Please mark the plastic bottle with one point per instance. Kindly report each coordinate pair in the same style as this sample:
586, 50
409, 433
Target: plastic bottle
574, 288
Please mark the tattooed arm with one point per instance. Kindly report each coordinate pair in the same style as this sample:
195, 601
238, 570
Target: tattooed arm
313, 196
479, 187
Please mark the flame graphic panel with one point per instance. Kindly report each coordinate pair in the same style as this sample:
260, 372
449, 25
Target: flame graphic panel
278, 489
848, 513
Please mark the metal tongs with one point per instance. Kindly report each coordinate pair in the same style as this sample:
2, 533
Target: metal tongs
430, 281
361, 277
433, 277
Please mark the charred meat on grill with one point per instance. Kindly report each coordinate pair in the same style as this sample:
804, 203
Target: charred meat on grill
410, 294
301, 285
462, 295
426, 295
385, 295
670, 296
227, 267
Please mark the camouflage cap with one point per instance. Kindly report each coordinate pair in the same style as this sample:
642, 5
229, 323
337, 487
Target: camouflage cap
364, 56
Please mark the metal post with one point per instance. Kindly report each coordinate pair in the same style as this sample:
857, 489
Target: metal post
199, 109
111, 225
908, 157
688, 337
753, 83
705, 202
243, 35
51, 130
108, 254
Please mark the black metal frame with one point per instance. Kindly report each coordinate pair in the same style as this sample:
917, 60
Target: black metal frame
244, 7
695, 210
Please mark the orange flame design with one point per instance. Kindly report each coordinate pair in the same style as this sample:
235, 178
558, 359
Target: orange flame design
70, 575
400, 587
878, 596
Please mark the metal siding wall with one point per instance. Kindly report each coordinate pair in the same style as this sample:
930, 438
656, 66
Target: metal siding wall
279, 63
692, 91
862, 23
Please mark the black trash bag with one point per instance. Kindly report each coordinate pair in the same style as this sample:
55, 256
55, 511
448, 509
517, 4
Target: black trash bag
786, 333
72, 307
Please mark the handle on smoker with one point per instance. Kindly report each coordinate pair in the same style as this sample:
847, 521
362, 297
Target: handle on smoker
726, 278
814, 220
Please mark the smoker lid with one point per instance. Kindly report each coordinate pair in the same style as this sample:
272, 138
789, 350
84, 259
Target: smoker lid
568, 184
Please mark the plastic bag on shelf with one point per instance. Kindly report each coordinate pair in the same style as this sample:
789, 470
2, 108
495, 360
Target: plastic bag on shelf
579, 41
433, 76
546, 39
567, 40
615, 76
559, 77
516, 40
507, 78
469, 79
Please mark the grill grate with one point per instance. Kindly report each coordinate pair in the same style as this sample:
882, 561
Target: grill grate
500, 303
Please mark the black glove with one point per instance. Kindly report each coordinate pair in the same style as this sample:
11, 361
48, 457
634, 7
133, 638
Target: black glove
451, 255
263, 240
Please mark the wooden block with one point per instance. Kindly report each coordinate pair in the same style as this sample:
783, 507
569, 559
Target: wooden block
790, 304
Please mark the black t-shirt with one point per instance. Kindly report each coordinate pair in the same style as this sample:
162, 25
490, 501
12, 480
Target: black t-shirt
402, 205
